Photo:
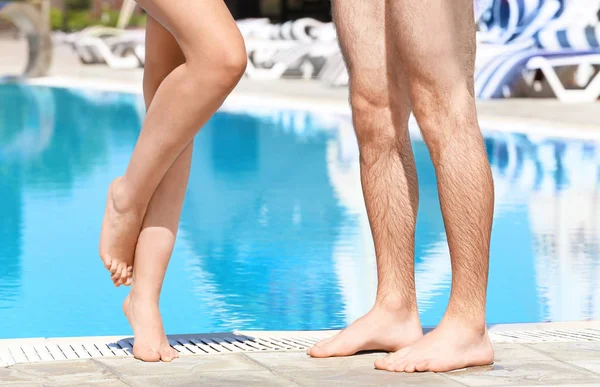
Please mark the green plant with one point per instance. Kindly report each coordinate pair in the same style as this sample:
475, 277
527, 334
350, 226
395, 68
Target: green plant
56, 19
80, 19
78, 4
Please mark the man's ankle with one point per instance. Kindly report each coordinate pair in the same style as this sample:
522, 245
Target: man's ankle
474, 322
396, 305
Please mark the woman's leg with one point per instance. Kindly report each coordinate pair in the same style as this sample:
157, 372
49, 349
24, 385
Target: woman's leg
215, 61
157, 238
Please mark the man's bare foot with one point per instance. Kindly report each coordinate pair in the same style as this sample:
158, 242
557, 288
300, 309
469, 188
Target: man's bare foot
381, 329
120, 230
451, 346
150, 342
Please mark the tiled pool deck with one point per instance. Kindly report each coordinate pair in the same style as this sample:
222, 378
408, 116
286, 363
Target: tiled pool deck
564, 354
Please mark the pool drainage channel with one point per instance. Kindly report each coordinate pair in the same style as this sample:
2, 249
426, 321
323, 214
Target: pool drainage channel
47, 350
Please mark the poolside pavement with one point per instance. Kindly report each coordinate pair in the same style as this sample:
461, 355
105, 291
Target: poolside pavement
553, 354
547, 364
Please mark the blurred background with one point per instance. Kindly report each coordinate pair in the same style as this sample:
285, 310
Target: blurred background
526, 48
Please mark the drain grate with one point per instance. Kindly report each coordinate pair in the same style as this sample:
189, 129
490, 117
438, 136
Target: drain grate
547, 335
41, 350
38, 350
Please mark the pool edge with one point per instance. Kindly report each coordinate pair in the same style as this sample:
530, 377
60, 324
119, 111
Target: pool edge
543, 128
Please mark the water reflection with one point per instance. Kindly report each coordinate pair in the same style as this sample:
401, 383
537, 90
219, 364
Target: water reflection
274, 233
262, 220
564, 212
51, 140
523, 168
33, 113
544, 264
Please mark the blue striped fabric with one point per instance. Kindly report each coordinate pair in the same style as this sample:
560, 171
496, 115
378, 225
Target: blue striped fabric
576, 38
591, 35
504, 72
501, 73
510, 19
550, 28
561, 37
481, 7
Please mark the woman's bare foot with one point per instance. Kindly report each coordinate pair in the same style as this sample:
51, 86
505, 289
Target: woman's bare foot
382, 329
150, 342
120, 230
451, 346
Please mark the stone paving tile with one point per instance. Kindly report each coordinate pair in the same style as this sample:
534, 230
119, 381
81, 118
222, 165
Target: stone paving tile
221, 378
564, 385
78, 383
10, 375
524, 373
351, 371
364, 377
300, 360
182, 365
569, 352
583, 355
61, 371
89, 383
517, 352
590, 365
8, 384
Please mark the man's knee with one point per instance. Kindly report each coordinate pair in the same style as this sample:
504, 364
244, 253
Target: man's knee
371, 116
444, 107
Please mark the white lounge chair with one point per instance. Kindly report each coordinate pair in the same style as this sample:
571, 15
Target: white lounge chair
575, 13
298, 59
576, 38
253, 28
576, 28
96, 45
335, 73
300, 48
324, 33
553, 46
573, 43
502, 76
481, 7
546, 11
498, 77
548, 64
302, 30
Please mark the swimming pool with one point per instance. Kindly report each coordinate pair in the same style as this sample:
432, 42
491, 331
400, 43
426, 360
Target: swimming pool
274, 234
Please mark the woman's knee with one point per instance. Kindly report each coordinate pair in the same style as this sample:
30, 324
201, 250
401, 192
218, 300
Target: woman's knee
233, 61
209, 38
225, 64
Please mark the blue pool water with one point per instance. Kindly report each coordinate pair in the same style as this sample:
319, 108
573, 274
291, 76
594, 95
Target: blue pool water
274, 233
